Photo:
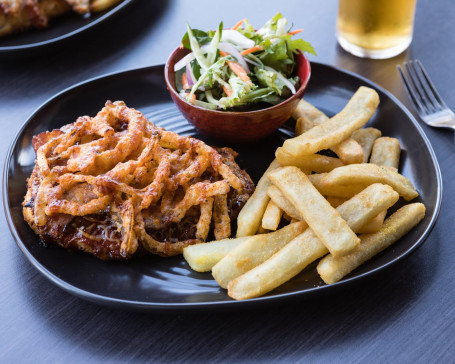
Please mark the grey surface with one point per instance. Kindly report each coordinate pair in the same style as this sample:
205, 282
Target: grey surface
405, 314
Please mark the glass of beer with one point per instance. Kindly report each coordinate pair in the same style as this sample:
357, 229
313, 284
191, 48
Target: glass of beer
375, 28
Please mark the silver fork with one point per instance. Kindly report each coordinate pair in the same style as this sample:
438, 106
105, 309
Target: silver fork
427, 101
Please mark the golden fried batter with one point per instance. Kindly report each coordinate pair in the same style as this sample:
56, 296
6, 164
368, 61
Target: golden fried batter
116, 185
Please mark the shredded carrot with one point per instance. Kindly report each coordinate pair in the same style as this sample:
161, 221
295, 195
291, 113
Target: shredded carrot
237, 69
227, 91
185, 84
294, 32
238, 24
251, 50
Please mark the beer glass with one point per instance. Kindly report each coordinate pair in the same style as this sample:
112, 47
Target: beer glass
375, 28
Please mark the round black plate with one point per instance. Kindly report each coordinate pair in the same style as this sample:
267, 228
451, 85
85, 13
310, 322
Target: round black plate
59, 29
155, 283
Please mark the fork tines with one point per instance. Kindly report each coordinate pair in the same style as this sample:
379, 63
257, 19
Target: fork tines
420, 88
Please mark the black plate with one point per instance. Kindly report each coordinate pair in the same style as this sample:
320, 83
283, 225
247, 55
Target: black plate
154, 283
58, 30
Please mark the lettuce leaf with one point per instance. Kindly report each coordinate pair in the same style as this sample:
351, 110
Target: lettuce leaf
201, 37
269, 79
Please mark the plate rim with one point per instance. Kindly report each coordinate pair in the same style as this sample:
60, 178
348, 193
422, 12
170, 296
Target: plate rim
30, 46
163, 306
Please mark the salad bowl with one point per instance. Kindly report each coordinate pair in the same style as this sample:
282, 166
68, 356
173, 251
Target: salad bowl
237, 126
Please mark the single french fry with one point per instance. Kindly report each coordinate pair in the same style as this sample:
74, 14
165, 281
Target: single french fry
377, 194
356, 113
203, 224
386, 152
309, 163
253, 252
272, 216
202, 257
346, 191
374, 225
368, 173
308, 116
307, 247
221, 219
332, 269
280, 200
349, 151
366, 137
250, 217
303, 124
323, 219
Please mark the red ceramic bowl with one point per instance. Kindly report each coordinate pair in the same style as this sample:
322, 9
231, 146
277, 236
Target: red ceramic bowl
239, 126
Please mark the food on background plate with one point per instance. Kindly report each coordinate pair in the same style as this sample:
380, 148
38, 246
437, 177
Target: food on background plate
240, 68
19, 15
350, 199
115, 185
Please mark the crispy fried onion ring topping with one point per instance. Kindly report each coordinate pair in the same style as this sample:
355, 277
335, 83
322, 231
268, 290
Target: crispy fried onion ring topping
119, 180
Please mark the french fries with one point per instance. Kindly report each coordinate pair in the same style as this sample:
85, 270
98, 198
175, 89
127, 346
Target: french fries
307, 116
202, 257
280, 200
349, 151
335, 190
371, 226
272, 216
310, 163
307, 247
328, 201
253, 251
366, 137
386, 152
250, 218
374, 225
356, 114
323, 219
367, 173
332, 269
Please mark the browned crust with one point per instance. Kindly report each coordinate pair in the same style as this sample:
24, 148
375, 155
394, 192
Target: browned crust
67, 231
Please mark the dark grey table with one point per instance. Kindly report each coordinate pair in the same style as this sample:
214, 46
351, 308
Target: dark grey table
405, 314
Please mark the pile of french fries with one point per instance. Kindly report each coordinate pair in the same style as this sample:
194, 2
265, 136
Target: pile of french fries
332, 208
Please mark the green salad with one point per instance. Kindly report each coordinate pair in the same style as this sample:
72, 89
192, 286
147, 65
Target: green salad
239, 68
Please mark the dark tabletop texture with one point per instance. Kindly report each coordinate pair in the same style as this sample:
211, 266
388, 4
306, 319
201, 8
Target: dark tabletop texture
404, 314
